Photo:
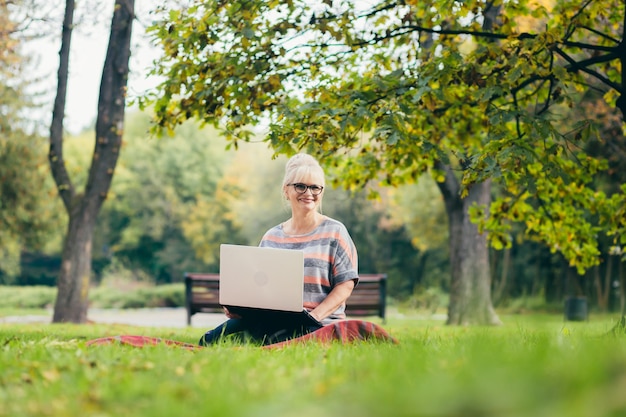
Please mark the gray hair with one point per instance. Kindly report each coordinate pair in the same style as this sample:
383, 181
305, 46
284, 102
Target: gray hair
299, 166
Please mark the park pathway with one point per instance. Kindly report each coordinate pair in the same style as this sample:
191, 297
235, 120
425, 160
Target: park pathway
151, 317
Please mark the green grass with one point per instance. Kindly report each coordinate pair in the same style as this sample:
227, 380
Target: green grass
531, 366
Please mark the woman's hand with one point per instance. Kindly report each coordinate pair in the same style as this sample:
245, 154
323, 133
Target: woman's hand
231, 315
333, 300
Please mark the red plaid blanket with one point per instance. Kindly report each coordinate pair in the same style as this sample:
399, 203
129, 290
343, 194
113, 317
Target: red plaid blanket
345, 331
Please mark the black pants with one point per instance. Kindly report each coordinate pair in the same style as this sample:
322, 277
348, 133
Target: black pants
241, 330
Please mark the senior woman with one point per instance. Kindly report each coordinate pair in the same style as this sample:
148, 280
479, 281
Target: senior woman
330, 257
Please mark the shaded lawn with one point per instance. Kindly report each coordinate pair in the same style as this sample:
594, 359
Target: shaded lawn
531, 366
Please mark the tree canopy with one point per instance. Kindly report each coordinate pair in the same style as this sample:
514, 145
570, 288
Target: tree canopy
387, 90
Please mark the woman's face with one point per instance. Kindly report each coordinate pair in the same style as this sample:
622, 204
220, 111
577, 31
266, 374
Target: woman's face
306, 201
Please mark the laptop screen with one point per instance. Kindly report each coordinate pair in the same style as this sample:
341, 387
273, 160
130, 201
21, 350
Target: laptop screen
259, 277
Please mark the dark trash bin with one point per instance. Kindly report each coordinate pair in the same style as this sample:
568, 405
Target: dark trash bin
576, 309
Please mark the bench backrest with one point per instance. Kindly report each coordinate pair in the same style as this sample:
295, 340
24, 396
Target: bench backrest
202, 293
368, 297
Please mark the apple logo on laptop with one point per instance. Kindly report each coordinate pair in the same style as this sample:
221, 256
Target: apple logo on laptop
261, 278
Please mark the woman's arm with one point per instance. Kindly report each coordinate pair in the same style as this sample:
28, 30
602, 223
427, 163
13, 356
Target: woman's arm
335, 298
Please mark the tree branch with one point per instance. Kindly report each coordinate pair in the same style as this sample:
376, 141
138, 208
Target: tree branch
600, 34
382, 8
55, 155
582, 45
572, 27
582, 66
403, 30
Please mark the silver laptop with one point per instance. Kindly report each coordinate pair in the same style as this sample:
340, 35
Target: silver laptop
264, 284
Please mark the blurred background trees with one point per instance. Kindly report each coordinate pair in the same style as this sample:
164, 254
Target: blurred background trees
174, 200
28, 206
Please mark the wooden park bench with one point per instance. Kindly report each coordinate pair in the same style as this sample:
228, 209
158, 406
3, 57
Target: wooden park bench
368, 297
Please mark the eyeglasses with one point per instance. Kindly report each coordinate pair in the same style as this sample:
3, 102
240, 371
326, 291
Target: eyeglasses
301, 188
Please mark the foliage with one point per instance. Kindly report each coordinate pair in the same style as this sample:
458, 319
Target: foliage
160, 216
168, 295
117, 275
421, 208
28, 213
260, 203
165, 198
386, 91
431, 300
531, 305
38, 268
137, 296
530, 366
210, 223
31, 297
383, 246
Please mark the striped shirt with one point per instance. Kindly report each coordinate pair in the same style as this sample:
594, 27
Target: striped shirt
330, 258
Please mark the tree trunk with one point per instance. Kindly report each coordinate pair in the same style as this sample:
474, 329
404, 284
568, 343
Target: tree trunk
470, 286
500, 286
622, 288
620, 327
73, 281
555, 271
603, 286
608, 274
